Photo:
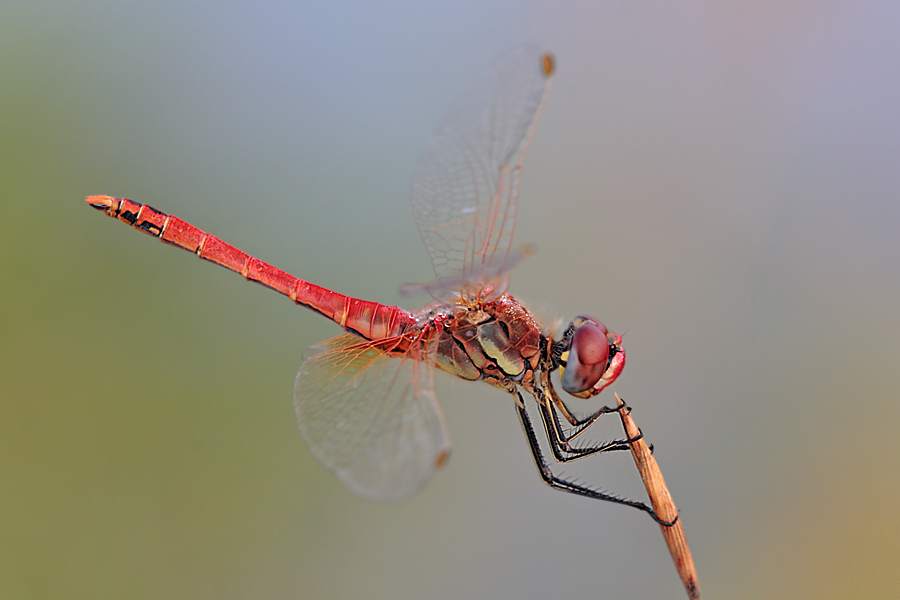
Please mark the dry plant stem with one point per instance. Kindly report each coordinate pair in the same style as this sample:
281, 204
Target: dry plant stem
662, 504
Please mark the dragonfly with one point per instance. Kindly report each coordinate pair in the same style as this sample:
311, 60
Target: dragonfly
365, 400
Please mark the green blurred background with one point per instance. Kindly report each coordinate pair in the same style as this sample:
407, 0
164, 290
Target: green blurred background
717, 181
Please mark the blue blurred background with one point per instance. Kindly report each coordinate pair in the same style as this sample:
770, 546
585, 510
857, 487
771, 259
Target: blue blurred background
719, 182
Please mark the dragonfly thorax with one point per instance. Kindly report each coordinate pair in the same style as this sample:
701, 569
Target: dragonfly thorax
496, 341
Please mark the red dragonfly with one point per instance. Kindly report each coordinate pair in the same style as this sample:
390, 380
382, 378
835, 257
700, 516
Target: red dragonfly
365, 399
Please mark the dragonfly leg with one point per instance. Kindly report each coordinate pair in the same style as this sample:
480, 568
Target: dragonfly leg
580, 424
573, 488
560, 445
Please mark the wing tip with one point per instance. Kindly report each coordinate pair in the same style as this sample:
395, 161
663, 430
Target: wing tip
441, 459
548, 64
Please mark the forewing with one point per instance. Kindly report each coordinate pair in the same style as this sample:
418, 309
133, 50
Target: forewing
372, 418
466, 189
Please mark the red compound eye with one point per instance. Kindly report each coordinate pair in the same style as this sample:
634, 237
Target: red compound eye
588, 357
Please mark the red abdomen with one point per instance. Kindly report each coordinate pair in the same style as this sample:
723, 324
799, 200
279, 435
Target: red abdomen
370, 320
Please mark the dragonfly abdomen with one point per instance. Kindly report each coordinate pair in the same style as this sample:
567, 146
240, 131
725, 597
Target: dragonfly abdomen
370, 320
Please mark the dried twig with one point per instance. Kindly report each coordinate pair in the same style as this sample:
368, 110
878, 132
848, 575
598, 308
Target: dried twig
662, 504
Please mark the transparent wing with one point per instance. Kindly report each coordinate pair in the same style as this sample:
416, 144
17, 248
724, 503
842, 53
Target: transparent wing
371, 418
466, 188
495, 272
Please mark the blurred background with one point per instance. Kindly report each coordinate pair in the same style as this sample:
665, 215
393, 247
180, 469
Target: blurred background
718, 182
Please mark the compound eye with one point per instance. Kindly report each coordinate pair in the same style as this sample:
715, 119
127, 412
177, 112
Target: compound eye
588, 358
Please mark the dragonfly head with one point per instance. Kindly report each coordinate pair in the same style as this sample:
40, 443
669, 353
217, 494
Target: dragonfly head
591, 357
